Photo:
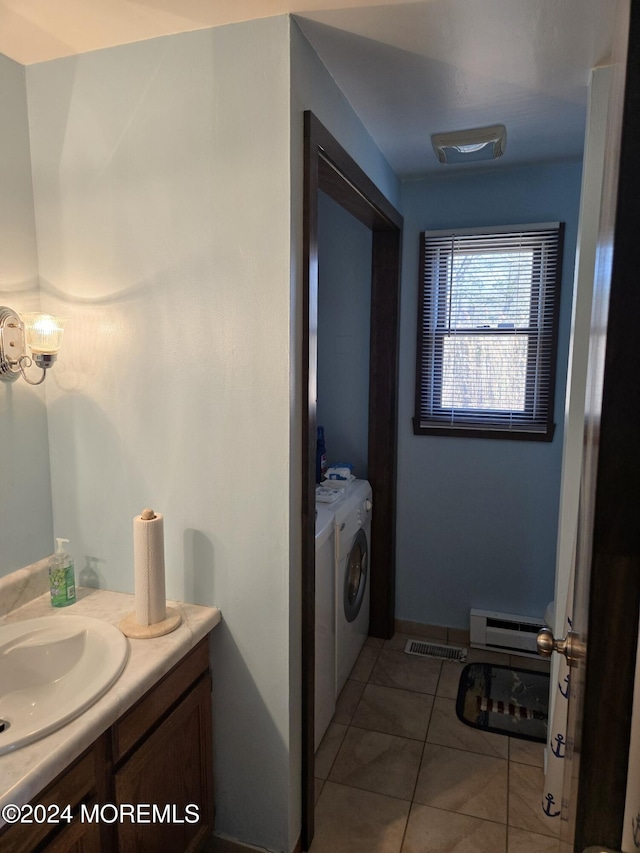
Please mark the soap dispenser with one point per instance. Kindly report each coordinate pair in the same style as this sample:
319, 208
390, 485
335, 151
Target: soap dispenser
62, 582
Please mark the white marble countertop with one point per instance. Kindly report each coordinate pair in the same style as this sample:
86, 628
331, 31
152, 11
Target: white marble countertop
26, 771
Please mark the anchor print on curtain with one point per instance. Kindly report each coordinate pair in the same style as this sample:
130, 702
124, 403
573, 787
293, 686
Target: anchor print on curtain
556, 747
557, 732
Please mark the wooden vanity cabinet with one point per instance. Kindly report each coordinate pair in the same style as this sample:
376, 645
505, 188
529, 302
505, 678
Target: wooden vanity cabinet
158, 754
168, 770
75, 785
77, 838
162, 755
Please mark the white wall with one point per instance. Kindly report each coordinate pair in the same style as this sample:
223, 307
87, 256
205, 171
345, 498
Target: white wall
26, 525
167, 178
313, 88
161, 182
477, 518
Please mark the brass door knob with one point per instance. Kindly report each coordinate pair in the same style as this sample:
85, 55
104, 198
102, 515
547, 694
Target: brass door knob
571, 647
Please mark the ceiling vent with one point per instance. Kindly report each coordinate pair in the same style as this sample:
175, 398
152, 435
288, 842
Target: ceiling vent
470, 146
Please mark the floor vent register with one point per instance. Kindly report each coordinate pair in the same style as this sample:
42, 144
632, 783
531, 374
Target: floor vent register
432, 650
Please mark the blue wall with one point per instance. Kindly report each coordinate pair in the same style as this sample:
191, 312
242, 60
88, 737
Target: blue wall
477, 518
344, 313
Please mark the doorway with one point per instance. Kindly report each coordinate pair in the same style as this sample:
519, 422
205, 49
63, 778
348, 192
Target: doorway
328, 168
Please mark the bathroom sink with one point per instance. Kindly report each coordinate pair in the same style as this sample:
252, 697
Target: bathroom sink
51, 670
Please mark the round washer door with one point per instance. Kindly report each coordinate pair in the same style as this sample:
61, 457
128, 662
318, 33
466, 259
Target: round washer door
355, 581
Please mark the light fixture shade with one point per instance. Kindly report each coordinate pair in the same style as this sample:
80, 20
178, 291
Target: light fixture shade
470, 146
44, 332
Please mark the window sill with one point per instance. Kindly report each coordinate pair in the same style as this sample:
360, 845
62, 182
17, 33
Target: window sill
478, 432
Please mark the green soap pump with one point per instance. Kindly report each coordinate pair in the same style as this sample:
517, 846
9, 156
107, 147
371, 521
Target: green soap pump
62, 582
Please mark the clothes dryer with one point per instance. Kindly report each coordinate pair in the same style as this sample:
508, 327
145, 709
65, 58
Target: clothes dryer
352, 513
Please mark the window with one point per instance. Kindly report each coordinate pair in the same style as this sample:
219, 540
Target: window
487, 329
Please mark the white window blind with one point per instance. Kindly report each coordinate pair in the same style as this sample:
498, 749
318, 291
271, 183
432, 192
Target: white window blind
487, 330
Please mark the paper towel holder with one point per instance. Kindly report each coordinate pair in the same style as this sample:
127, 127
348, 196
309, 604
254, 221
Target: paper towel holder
130, 626
171, 617
39, 333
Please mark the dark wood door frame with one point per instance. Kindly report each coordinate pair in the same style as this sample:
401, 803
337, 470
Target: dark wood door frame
329, 168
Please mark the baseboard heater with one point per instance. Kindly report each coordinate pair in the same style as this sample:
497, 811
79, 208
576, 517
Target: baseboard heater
502, 632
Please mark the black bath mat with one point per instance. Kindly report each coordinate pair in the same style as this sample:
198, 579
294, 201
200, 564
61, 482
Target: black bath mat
504, 700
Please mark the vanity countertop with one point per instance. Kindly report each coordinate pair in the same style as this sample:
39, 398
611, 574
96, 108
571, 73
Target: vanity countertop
26, 771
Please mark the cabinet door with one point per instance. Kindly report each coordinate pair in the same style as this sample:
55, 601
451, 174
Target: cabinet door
77, 838
171, 771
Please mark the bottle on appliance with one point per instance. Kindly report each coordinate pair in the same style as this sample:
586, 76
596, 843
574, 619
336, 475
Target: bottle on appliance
321, 455
62, 582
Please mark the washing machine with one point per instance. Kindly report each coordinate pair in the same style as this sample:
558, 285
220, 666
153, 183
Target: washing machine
325, 664
352, 514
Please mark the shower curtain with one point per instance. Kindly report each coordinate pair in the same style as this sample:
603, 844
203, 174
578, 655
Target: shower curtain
557, 731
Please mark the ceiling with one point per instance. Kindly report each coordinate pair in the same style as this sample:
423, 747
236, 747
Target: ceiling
409, 69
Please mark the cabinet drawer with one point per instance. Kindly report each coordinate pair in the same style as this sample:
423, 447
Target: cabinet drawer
70, 788
144, 715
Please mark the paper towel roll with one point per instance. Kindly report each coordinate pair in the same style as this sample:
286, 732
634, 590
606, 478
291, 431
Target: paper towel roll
148, 560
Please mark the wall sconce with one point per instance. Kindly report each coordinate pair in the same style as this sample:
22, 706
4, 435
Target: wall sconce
41, 333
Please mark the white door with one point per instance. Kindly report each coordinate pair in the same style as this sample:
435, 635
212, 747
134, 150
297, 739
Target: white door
585, 813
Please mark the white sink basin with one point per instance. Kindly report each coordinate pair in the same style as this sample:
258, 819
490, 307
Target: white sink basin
51, 670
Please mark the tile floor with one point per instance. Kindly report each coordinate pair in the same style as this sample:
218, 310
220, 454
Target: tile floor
398, 773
